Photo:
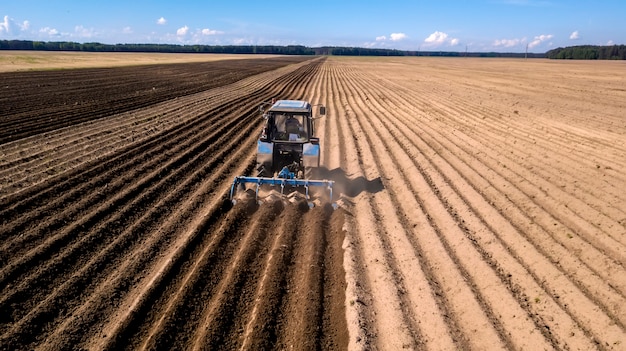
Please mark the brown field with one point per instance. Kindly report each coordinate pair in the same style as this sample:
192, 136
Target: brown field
482, 206
12, 60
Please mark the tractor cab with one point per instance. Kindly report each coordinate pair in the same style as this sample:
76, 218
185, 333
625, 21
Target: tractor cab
290, 127
288, 138
289, 120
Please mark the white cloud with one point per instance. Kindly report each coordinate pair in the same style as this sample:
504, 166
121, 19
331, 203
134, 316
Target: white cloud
8, 24
4, 25
507, 43
575, 35
397, 36
127, 30
539, 39
440, 38
392, 37
182, 31
437, 38
188, 36
207, 31
161, 21
49, 31
383, 41
83, 32
610, 42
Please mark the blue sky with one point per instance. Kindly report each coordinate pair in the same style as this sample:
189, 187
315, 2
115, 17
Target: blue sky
475, 25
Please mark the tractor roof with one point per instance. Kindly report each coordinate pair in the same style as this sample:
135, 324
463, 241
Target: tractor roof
291, 106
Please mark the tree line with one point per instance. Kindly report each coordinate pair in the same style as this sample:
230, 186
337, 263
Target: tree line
583, 52
240, 49
174, 48
589, 52
165, 48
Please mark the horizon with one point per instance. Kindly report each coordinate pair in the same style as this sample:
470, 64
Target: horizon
506, 26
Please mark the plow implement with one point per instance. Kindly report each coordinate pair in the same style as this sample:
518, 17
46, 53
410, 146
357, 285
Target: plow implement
283, 183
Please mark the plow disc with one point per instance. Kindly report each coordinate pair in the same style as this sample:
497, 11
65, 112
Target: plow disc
283, 183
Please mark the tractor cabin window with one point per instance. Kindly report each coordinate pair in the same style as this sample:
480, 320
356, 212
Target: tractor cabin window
290, 127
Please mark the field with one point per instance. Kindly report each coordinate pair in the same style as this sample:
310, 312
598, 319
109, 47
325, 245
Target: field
11, 61
481, 206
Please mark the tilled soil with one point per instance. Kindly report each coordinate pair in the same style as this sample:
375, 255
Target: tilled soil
500, 217
115, 233
481, 206
33, 102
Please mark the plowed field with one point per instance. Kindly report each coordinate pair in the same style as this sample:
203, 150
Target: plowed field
481, 206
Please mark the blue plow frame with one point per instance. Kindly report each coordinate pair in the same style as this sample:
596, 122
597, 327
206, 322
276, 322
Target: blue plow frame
306, 183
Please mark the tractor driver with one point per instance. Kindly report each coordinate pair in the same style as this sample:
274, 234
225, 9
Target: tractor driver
293, 126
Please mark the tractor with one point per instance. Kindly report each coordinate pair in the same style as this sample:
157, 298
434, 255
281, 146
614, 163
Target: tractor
288, 152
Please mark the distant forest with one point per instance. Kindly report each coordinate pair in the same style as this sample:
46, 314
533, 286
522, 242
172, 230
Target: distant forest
589, 52
586, 52
166, 48
238, 49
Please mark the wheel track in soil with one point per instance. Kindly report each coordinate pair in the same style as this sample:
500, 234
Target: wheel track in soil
175, 206
387, 125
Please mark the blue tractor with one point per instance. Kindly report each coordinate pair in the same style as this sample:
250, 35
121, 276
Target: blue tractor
288, 153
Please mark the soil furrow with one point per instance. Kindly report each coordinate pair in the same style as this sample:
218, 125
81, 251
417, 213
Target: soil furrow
362, 117
69, 323
410, 337
121, 219
191, 129
69, 106
219, 324
464, 222
261, 329
173, 164
480, 207
193, 109
596, 318
587, 250
572, 242
364, 251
